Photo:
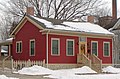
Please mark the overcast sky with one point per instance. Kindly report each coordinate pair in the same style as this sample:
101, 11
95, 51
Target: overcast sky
110, 5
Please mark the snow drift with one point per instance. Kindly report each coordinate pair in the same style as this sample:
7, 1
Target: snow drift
111, 69
35, 70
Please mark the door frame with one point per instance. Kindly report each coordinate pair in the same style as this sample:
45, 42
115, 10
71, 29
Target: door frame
83, 42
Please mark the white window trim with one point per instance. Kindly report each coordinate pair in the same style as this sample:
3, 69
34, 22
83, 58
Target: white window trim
103, 49
19, 48
30, 47
58, 46
97, 46
67, 47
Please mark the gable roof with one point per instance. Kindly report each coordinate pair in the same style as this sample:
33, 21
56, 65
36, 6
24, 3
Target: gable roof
116, 25
73, 26
109, 26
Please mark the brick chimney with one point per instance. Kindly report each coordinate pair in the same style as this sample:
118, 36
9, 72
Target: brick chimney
114, 9
91, 19
30, 10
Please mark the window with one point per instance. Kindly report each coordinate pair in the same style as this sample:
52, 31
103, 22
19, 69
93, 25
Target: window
55, 46
106, 48
95, 48
19, 46
32, 47
70, 47
82, 39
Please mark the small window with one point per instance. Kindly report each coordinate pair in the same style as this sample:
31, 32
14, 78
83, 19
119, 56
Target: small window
55, 46
32, 47
94, 48
70, 47
19, 46
106, 48
82, 39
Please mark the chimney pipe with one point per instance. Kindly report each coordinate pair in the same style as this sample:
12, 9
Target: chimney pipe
30, 10
114, 9
90, 19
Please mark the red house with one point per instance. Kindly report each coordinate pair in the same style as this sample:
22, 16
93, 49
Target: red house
61, 43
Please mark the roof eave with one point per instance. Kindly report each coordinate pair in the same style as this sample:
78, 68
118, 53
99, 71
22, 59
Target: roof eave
78, 32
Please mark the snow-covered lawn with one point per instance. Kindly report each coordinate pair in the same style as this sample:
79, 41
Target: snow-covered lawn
4, 77
84, 73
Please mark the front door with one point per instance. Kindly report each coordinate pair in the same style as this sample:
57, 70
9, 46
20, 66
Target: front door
83, 48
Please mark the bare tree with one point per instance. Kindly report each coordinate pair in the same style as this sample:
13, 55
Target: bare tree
5, 24
58, 9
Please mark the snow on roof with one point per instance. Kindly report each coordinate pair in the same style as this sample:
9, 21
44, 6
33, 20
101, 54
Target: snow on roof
75, 26
47, 23
9, 39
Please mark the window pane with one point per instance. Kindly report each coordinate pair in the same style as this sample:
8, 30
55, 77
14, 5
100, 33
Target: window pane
69, 47
70, 44
20, 46
94, 48
106, 49
54, 46
32, 47
70, 51
17, 47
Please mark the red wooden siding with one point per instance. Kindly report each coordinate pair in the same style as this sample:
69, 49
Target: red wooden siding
30, 31
26, 33
105, 60
62, 58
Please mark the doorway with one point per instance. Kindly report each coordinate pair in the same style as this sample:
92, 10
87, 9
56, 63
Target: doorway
83, 48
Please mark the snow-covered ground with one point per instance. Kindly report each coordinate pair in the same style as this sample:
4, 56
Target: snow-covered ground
75, 73
111, 69
35, 70
4, 77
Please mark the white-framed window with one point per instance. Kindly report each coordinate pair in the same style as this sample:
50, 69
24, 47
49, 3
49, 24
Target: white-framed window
55, 46
32, 47
106, 49
70, 47
94, 47
19, 46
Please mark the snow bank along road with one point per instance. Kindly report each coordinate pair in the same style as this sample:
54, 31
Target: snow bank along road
38, 72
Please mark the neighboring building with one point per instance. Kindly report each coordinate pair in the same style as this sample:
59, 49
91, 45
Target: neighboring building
60, 42
5, 47
115, 28
4, 51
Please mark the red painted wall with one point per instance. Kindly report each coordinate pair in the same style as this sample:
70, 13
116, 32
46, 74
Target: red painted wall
30, 31
73, 59
63, 58
105, 60
26, 33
